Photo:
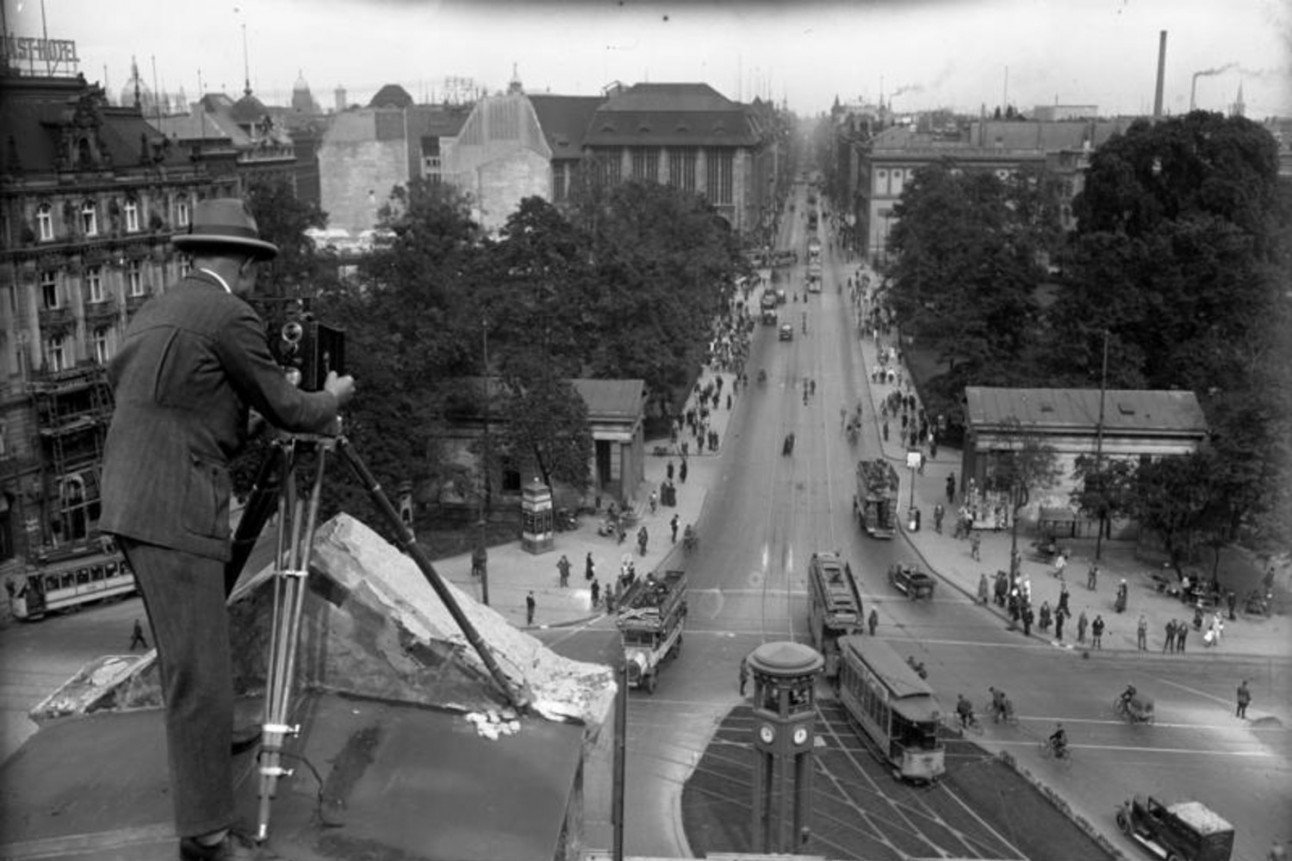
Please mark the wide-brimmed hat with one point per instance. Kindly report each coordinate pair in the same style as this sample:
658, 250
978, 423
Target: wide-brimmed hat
224, 222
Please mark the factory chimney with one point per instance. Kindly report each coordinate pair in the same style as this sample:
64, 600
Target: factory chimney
1161, 74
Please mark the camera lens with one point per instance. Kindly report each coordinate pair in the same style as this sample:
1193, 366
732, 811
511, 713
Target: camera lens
293, 332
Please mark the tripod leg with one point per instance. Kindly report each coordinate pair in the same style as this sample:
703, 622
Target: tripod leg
292, 568
408, 543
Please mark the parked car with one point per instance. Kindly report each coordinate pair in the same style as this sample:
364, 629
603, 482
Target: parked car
786, 333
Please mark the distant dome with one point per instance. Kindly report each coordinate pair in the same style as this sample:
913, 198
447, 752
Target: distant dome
301, 85
302, 100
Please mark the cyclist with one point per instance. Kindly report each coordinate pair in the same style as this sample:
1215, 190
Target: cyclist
1127, 696
1059, 741
964, 709
998, 701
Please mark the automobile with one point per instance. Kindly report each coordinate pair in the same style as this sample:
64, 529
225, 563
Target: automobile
781, 296
1186, 830
911, 581
770, 318
786, 333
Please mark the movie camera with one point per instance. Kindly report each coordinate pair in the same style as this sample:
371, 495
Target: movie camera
305, 348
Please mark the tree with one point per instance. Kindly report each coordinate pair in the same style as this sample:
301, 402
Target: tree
1168, 498
548, 425
1102, 490
1020, 464
282, 219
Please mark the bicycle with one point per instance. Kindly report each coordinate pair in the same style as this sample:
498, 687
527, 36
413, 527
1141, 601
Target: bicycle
1048, 751
970, 723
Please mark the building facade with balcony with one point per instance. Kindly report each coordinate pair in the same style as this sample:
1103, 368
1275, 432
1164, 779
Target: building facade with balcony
89, 197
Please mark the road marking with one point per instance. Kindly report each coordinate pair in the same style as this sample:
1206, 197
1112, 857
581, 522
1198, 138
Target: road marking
733, 592
1191, 751
1203, 694
1156, 724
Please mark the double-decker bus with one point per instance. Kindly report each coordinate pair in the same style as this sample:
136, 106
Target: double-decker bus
893, 706
72, 582
834, 606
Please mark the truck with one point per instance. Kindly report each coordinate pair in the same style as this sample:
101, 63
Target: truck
1185, 831
875, 502
651, 615
911, 581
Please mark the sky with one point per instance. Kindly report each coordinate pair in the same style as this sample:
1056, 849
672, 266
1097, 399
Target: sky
921, 54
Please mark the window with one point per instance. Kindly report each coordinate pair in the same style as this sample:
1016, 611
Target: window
49, 289
89, 219
134, 279
718, 179
645, 161
7, 543
102, 353
681, 169
55, 353
181, 212
45, 222
560, 181
132, 216
94, 283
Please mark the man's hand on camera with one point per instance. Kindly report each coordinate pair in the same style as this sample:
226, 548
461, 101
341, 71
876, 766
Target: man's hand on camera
342, 388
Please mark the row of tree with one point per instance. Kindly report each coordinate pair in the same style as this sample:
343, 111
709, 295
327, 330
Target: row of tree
1177, 272
623, 283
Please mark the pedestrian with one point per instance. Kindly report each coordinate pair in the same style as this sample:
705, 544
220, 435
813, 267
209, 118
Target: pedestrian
872, 621
1081, 627
1028, 616
672, 525
530, 606
192, 361
1244, 699
669, 470
951, 488
982, 588
933, 446
1060, 562
1059, 616
1064, 597
1141, 633
1169, 645
1181, 632
137, 637
589, 570
1097, 632
884, 428
975, 546
744, 674
563, 567
938, 512
641, 540
596, 594
1232, 600
479, 559
1092, 577
681, 470
654, 501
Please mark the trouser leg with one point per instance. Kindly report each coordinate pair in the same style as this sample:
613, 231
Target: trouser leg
184, 596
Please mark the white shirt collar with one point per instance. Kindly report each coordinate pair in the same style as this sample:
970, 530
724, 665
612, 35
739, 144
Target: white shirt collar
216, 276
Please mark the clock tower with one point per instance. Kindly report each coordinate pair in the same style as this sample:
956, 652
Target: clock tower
784, 731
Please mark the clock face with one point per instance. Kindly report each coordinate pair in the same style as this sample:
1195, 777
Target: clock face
800, 735
766, 733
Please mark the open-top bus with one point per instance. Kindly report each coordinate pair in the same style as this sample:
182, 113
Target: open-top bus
893, 706
70, 583
834, 606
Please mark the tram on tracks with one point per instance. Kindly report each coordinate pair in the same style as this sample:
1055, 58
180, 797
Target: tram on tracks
893, 706
834, 606
70, 583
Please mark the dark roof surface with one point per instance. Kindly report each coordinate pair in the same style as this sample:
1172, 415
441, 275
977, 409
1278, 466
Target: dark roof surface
391, 96
1078, 409
671, 114
565, 120
612, 399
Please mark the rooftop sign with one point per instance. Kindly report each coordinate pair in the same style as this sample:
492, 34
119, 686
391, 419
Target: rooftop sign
22, 53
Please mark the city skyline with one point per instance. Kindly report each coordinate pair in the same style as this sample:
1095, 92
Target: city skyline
923, 55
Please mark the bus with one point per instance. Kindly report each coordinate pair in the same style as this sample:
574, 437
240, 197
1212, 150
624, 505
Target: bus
834, 606
893, 706
71, 583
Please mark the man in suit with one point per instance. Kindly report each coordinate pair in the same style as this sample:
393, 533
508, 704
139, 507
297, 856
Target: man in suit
193, 362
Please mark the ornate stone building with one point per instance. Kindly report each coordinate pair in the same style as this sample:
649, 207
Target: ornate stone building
89, 197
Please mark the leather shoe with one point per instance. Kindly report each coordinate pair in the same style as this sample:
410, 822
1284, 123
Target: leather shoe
244, 739
234, 847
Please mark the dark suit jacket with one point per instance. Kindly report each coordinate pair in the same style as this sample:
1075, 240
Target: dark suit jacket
194, 359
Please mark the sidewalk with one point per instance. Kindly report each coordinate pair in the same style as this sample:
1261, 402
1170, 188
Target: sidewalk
949, 558
514, 572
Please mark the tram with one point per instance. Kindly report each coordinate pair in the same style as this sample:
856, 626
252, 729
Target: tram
834, 606
893, 706
71, 583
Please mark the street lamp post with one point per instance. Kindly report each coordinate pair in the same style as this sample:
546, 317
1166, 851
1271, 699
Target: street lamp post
484, 468
1099, 454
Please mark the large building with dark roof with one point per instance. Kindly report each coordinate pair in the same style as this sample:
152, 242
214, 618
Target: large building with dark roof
90, 195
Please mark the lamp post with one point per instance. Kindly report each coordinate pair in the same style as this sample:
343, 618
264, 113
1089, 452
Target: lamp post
1099, 454
484, 466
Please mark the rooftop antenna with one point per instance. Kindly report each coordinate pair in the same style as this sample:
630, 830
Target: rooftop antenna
156, 91
44, 32
1161, 74
134, 73
246, 62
